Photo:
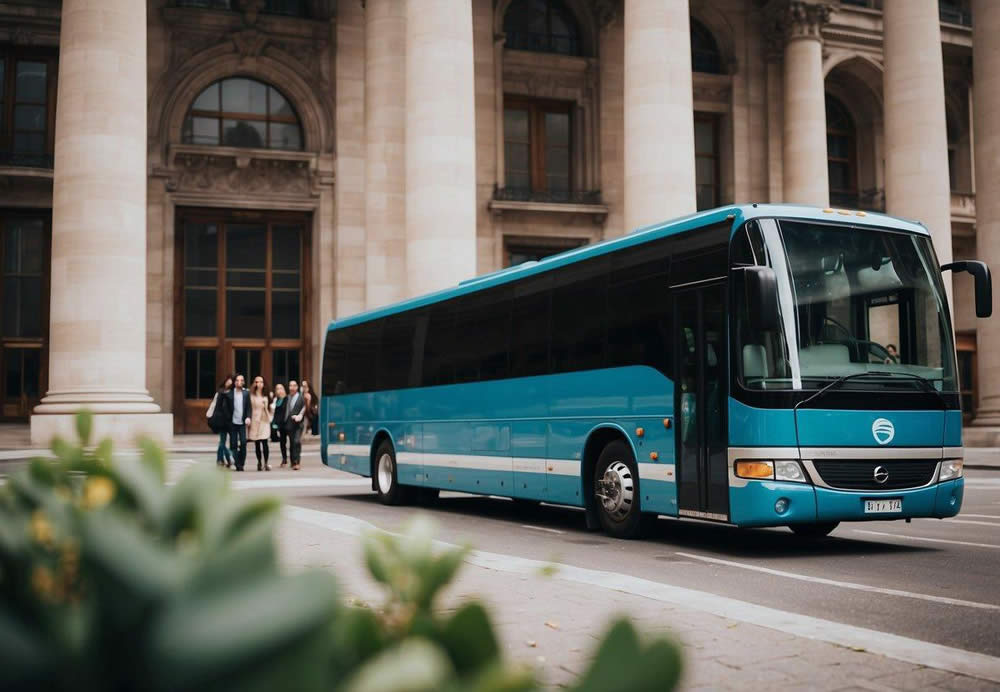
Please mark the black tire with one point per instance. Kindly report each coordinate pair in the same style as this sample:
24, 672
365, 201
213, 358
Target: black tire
817, 530
390, 492
623, 520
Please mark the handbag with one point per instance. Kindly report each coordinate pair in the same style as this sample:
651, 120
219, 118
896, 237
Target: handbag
274, 433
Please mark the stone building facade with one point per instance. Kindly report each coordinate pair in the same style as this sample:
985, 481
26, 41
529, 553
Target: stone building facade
306, 159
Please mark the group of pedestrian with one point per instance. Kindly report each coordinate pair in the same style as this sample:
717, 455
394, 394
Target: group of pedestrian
261, 416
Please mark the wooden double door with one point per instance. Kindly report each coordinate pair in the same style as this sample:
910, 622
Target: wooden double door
242, 304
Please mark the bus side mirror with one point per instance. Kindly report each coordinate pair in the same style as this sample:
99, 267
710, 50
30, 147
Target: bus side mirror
984, 283
760, 289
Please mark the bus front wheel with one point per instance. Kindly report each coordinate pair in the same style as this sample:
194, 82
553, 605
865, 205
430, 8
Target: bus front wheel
616, 491
817, 530
390, 492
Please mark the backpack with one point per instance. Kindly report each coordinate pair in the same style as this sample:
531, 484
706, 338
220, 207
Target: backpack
216, 415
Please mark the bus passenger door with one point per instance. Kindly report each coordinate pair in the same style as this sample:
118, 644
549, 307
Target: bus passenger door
700, 402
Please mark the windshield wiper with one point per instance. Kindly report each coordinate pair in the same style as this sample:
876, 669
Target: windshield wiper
926, 383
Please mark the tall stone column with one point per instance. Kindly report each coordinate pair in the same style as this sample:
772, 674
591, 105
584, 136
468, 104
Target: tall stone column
985, 109
440, 145
804, 159
916, 139
385, 145
659, 116
97, 347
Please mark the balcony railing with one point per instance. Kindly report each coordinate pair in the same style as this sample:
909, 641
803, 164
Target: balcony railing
542, 43
514, 194
947, 12
15, 159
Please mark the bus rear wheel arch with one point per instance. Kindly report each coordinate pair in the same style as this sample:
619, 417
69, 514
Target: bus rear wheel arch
615, 491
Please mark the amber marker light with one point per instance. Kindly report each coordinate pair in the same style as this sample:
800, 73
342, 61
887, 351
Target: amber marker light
860, 213
654, 456
755, 469
639, 432
828, 210
341, 437
666, 422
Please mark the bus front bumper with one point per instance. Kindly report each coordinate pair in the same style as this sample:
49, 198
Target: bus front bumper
777, 503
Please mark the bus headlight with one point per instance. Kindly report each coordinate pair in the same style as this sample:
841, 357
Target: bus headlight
789, 471
951, 469
755, 469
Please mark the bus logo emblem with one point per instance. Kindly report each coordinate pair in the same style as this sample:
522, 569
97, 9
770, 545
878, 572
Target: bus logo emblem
883, 431
881, 475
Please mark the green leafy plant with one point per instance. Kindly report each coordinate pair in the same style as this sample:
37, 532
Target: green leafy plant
110, 579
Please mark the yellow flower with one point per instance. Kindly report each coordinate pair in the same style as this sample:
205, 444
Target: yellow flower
41, 529
42, 581
98, 492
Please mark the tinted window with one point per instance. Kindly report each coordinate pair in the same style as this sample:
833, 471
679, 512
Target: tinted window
579, 304
335, 363
482, 325
395, 353
529, 338
639, 313
441, 346
362, 351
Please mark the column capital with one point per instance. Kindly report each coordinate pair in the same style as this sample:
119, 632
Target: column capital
791, 20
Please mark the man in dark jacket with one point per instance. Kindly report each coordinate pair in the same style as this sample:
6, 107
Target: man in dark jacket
294, 413
238, 401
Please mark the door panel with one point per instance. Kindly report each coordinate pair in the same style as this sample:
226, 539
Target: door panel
702, 474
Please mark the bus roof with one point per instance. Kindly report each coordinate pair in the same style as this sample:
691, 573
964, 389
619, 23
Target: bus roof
738, 213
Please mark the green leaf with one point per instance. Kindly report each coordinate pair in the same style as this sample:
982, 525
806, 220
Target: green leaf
357, 636
251, 554
437, 575
154, 457
128, 566
621, 664
104, 452
416, 665
143, 488
24, 656
205, 637
84, 426
497, 678
468, 637
192, 500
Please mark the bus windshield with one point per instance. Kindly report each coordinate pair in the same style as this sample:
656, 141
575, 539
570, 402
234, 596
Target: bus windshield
852, 301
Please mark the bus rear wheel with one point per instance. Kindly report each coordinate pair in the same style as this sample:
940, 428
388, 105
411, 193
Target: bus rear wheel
616, 491
390, 492
817, 530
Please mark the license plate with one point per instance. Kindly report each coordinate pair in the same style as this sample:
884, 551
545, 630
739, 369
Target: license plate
883, 506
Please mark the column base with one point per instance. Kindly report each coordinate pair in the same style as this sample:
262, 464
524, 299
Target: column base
123, 428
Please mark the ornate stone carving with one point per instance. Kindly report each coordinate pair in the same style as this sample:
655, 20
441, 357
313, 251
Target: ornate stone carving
240, 175
605, 11
249, 43
788, 20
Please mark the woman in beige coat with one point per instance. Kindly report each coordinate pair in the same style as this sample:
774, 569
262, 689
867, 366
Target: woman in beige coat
261, 412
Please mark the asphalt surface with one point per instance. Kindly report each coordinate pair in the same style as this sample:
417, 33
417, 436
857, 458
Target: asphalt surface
931, 580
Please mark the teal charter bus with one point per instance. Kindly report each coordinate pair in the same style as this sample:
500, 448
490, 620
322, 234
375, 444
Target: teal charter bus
755, 365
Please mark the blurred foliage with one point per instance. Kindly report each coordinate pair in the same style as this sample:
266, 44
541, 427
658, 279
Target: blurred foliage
110, 579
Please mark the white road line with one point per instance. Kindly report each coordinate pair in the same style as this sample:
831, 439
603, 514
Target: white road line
963, 521
982, 516
542, 528
883, 643
844, 584
907, 537
302, 483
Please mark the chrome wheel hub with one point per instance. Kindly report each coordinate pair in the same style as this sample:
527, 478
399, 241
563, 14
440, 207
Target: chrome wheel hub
615, 490
385, 473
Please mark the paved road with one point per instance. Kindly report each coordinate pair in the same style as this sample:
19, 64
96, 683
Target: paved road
933, 582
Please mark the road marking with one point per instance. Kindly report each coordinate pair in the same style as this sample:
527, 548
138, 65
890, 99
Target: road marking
844, 584
302, 483
541, 528
982, 516
883, 643
924, 538
964, 521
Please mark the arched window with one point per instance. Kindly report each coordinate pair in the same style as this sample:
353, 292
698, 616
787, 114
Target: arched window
242, 112
705, 55
841, 154
543, 26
